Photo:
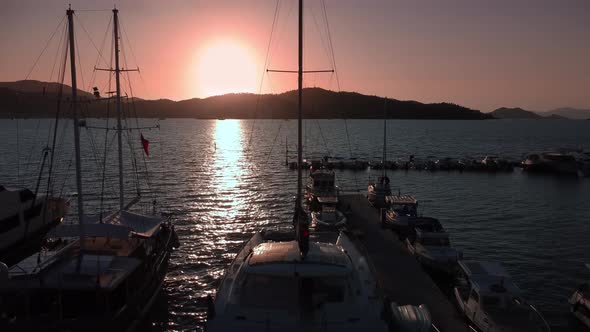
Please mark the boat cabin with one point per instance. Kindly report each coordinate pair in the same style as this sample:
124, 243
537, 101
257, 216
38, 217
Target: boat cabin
432, 239
404, 205
321, 180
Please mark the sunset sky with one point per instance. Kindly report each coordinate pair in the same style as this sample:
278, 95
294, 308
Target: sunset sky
482, 54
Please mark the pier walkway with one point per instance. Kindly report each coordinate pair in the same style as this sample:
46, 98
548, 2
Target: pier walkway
399, 275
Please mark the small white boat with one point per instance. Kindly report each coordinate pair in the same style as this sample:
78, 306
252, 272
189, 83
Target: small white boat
401, 210
329, 216
551, 162
580, 303
321, 183
25, 218
433, 250
492, 302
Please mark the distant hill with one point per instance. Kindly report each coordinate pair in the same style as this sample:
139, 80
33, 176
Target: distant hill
569, 112
38, 99
519, 113
514, 113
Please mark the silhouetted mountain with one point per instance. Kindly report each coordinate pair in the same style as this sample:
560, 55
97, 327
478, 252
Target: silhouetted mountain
568, 112
514, 113
519, 113
28, 100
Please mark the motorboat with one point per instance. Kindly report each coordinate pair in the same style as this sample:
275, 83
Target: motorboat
551, 162
321, 183
580, 303
401, 210
328, 215
25, 218
491, 301
433, 250
271, 286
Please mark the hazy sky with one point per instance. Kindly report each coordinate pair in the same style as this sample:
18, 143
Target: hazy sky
483, 54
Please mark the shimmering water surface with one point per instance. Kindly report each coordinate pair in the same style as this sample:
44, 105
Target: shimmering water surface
223, 179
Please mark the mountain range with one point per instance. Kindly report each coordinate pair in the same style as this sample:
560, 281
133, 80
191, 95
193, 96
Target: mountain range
556, 114
39, 99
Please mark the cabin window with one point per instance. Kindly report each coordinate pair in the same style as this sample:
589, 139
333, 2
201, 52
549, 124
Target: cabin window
9, 223
474, 296
269, 291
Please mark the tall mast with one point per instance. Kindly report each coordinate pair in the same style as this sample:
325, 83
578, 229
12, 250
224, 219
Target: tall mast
384, 137
118, 103
70, 14
300, 116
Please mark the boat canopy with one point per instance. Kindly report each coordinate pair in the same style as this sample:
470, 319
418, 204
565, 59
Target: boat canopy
328, 199
401, 199
489, 277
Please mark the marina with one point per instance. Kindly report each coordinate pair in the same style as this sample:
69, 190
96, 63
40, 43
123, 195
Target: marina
359, 224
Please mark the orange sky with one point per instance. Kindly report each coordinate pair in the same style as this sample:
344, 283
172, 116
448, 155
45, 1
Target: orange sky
529, 53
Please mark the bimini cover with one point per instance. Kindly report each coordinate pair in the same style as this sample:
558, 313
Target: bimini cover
141, 225
91, 230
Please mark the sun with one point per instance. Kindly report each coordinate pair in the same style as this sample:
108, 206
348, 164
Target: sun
225, 67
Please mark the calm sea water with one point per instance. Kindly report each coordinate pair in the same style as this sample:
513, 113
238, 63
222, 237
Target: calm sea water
223, 179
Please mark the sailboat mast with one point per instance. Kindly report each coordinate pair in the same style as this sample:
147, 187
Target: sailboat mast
70, 14
118, 103
384, 137
300, 110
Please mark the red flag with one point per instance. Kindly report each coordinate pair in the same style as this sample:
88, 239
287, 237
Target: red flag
145, 143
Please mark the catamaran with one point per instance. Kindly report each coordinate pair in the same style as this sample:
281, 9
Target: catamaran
290, 283
108, 273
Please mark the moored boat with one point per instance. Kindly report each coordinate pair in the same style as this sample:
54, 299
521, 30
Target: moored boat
492, 302
400, 213
551, 162
328, 216
25, 218
580, 303
434, 251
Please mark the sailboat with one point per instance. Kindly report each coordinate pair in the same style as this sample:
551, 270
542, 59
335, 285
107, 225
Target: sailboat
109, 275
285, 282
378, 191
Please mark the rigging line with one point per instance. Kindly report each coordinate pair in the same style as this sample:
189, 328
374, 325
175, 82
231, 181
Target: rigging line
324, 44
266, 61
45, 47
80, 62
134, 109
57, 113
60, 79
273, 144
98, 56
323, 138
89, 37
63, 35
330, 43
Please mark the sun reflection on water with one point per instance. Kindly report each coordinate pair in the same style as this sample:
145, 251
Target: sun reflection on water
229, 167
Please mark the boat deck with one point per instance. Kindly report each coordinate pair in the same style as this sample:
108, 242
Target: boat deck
399, 276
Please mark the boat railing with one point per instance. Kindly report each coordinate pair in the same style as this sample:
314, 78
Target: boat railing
546, 325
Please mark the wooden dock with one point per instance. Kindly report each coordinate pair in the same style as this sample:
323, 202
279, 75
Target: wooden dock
399, 275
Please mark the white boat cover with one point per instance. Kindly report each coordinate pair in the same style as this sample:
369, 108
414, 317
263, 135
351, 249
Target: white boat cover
141, 225
91, 230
